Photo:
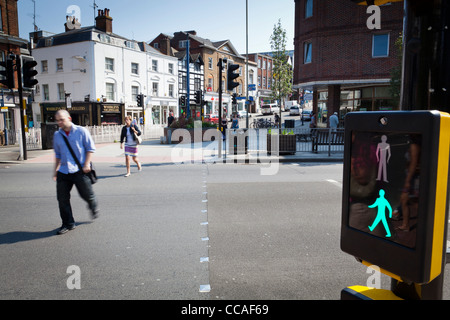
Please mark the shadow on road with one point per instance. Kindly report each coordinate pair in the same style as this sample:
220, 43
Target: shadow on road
22, 236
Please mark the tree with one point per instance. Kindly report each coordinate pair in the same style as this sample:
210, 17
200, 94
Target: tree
281, 70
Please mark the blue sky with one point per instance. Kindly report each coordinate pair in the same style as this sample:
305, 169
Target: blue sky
143, 20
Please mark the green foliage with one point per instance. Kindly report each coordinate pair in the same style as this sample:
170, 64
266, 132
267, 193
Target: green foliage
282, 70
183, 123
283, 132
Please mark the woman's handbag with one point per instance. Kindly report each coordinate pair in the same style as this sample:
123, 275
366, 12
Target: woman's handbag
92, 175
137, 138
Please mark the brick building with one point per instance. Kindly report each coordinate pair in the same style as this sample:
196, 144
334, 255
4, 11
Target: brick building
264, 76
345, 64
210, 53
10, 43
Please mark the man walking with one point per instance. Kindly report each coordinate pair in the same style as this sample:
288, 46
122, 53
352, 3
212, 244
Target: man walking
334, 121
67, 172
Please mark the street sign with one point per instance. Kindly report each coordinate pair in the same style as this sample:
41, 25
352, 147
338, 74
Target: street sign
395, 191
251, 87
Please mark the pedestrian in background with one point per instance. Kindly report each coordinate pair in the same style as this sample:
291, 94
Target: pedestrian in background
235, 121
334, 121
170, 119
67, 172
224, 126
131, 149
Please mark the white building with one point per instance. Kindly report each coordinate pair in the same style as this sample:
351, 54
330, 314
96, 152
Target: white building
97, 75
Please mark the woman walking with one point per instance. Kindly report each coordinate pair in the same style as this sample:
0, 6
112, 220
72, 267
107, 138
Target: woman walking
131, 150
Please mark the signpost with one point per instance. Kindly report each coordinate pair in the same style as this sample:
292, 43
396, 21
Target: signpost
394, 203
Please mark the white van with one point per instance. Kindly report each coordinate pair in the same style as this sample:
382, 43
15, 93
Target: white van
289, 104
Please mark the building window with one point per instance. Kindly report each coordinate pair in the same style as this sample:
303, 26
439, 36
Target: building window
44, 66
197, 85
134, 68
109, 64
61, 93
307, 52
380, 45
309, 8
155, 89
171, 90
183, 43
210, 63
134, 92
46, 92
155, 65
110, 91
156, 45
210, 83
59, 64
171, 68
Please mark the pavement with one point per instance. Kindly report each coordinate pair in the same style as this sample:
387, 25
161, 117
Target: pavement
152, 151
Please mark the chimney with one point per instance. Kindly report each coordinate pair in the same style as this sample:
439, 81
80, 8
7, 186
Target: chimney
165, 46
103, 21
71, 23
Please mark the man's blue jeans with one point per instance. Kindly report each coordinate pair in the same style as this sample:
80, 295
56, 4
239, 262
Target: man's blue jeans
64, 184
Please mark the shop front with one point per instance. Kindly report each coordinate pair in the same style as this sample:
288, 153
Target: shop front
85, 113
110, 113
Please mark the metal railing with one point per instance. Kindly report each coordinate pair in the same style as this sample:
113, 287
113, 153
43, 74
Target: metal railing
306, 139
100, 134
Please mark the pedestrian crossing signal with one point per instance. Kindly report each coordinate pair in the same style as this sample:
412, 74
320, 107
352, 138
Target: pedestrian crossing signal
395, 191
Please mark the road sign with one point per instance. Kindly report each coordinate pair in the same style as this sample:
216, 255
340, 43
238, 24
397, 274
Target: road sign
395, 191
251, 87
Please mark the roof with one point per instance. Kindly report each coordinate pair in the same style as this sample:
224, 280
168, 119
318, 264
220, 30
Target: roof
73, 36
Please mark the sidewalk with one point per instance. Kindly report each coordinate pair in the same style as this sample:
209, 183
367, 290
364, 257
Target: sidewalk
151, 151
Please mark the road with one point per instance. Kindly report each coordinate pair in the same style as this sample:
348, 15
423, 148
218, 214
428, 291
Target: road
193, 231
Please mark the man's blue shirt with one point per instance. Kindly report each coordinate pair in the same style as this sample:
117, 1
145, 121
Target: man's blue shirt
81, 142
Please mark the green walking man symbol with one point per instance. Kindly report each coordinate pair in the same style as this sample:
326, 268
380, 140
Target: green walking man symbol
382, 204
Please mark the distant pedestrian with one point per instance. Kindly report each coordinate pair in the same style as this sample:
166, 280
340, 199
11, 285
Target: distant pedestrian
334, 121
235, 122
224, 126
313, 123
170, 119
67, 172
131, 149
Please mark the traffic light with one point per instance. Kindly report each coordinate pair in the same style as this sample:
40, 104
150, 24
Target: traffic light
395, 185
233, 99
28, 72
7, 73
183, 101
140, 100
231, 76
198, 97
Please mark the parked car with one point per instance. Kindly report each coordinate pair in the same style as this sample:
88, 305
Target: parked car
306, 115
213, 118
243, 114
294, 111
